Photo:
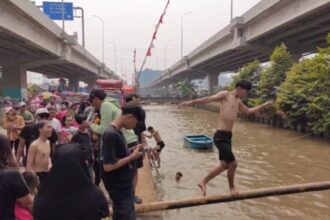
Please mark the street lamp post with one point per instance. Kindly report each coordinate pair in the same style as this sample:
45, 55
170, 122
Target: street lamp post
231, 9
182, 17
115, 48
63, 23
102, 21
165, 54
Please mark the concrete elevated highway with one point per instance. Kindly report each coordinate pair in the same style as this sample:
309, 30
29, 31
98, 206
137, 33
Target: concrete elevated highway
301, 24
30, 41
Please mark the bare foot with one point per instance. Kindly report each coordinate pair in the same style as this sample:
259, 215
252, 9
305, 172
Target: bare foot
234, 191
202, 187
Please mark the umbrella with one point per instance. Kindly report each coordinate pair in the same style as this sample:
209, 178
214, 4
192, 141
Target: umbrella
82, 94
47, 95
67, 93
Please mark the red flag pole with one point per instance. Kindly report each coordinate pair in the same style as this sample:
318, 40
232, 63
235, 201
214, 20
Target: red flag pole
150, 45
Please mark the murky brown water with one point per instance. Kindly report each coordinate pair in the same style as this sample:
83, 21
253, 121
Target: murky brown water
267, 157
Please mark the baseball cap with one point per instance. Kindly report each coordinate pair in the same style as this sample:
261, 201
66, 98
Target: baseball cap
41, 110
8, 109
98, 93
21, 104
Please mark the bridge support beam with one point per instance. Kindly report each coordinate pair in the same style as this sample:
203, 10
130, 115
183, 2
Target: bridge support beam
212, 79
14, 82
91, 83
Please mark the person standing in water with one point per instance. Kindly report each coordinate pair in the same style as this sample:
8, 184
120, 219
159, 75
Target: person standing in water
160, 143
230, 105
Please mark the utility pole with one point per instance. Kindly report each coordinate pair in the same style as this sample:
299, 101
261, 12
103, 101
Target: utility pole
231, 9
182, 17
63, 27
102, 21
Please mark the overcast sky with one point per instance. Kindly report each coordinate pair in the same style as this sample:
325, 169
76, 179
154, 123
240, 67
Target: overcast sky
129, 24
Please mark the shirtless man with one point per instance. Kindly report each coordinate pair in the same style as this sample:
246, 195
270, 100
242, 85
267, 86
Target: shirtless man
38, 159
230, 105
160, 143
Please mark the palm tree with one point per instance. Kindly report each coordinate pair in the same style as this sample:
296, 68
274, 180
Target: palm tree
186, 88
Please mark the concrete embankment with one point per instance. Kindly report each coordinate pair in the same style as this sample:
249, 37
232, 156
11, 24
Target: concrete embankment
147, 191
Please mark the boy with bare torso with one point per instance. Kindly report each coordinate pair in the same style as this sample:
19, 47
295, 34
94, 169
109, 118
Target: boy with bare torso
38, 159
160, 143
230, 105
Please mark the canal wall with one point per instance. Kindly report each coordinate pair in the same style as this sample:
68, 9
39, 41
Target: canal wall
275, 121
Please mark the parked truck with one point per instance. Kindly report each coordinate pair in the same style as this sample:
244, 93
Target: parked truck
115, 89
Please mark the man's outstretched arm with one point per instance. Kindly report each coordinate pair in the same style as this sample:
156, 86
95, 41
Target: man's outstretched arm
217, 97
248, 111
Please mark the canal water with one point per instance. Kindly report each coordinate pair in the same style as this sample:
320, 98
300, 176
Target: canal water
267, 157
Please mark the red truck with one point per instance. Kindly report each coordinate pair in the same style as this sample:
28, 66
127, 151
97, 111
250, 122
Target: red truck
115, 89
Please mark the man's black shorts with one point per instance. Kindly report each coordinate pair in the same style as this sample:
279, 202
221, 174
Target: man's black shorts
161, 145
222, 140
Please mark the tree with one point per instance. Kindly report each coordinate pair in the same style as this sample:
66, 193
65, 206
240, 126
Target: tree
274, 75
186, 88
305, 95
250, 72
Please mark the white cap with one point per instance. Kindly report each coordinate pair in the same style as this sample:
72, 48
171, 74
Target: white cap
21, 104
8, 109
41, 110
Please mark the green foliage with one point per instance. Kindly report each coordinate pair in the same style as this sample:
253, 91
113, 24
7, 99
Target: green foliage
250, 72
305, 95
273, 76
186, 88
33, 90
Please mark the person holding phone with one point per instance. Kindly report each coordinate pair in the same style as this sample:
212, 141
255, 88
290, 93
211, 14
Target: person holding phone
118, 170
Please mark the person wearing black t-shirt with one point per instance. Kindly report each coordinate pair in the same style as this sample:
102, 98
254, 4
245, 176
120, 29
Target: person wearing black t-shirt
12, 185
140, 127
84, 139
118, 172
30, 133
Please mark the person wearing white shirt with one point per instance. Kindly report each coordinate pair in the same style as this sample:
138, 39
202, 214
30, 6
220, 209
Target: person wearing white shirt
54, 122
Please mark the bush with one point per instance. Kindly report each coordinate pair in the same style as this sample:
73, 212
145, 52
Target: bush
250, 72
273, 76
305, 95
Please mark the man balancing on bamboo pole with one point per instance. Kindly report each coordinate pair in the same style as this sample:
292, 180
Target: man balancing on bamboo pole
230, 105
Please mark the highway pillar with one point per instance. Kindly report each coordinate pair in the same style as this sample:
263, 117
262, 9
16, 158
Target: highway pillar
14, 82
74, 84
213, 81
91, 83
295, 57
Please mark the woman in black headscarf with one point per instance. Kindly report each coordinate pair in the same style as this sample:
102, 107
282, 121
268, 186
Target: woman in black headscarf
68, 192
12, 185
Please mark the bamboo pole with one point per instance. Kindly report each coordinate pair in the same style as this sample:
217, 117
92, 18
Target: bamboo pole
258, 193
154, 165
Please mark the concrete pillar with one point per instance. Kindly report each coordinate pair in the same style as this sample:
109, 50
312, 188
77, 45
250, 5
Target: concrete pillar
170, 88
91, 83
167, 88
213, 81
74, 84
14, 82
296, 57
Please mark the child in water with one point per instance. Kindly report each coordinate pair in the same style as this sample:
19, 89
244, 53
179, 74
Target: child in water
178, 176
160, 143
